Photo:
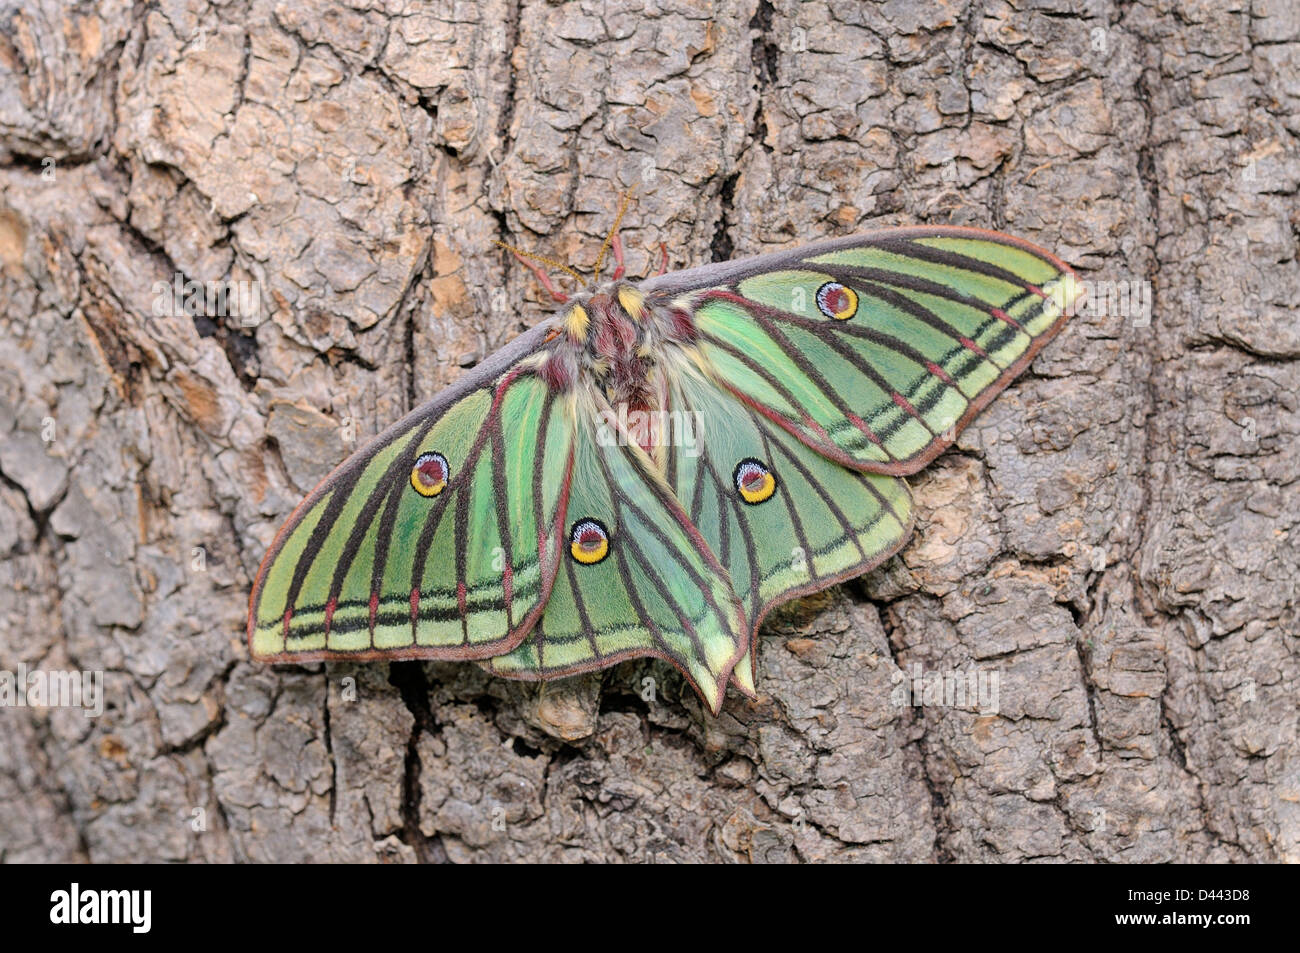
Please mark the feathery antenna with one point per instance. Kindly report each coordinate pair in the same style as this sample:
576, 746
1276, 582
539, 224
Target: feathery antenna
600, 259
528, 260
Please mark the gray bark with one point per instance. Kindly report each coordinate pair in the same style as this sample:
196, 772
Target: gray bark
1115, 537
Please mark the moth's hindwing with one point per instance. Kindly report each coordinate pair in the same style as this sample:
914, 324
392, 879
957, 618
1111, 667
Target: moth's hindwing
783, 519
875, 351
637, 579
439, 540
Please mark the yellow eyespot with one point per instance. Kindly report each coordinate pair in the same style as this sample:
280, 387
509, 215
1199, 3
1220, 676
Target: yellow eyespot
836, 301
633, 302
588, 541
576, 323
754, 482
430, 474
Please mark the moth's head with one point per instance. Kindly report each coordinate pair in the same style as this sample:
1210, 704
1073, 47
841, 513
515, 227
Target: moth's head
617, 308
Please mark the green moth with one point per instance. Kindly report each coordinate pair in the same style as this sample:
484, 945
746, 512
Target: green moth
659, 464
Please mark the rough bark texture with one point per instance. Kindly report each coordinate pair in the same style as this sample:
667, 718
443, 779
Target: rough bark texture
1115, 537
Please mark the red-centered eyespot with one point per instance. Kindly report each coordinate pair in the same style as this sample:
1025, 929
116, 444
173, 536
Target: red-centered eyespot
430, 474
754, 481
589, 541
836, 301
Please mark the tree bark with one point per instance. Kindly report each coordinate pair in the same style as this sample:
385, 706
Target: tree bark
1114, 538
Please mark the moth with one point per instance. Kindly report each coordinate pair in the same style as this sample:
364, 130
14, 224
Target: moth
652, 469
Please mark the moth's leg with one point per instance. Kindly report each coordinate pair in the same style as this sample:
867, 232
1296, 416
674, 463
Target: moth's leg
616, 246
663, 260
543, 277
